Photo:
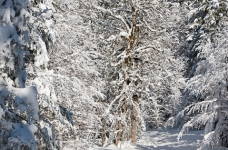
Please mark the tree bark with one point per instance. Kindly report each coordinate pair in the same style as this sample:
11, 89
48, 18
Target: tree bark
133, 120
119, 133
103, 134
127, 63
133, 124
132, 40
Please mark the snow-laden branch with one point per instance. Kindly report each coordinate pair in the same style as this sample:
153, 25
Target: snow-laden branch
144, 48
115, 16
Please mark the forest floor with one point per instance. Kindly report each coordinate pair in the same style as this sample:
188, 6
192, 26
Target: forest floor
161, 140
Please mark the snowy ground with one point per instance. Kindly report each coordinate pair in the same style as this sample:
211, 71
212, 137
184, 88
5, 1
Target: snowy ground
161, 140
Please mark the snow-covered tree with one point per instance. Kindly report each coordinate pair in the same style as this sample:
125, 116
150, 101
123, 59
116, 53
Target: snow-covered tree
22, 44
76, 80
143, 77
205, 96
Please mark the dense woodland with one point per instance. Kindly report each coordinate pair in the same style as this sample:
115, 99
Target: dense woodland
76, 73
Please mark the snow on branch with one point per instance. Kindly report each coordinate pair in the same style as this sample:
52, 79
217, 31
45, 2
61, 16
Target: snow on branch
115, 16
196, 108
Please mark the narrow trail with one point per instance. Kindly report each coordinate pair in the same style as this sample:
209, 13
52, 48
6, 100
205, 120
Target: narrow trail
161, 140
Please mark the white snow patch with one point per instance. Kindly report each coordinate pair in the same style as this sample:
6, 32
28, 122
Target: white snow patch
24, 134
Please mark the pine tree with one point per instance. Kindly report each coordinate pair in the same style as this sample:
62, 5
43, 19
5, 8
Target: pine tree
205, 95
21, 123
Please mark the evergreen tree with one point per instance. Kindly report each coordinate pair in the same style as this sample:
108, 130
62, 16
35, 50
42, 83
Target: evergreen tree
22, 45
205, 95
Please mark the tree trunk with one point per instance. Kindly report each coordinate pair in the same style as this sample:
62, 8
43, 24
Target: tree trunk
127, 64
103, 134
120, 126
132, 40
133, 119
119, 133
133, 124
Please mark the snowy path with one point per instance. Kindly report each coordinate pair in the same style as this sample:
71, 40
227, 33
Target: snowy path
162, 140
167, 140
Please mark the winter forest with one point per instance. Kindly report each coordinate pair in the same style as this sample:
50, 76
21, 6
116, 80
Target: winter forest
76, 74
